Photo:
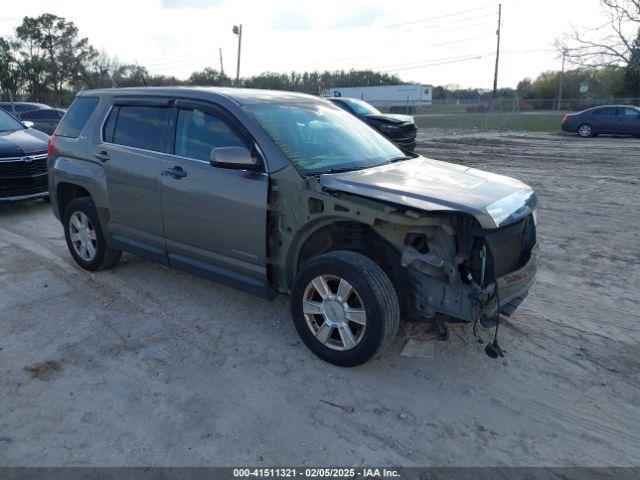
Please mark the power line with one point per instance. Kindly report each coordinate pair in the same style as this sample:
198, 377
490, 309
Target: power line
418, 63
426, 65
461, 12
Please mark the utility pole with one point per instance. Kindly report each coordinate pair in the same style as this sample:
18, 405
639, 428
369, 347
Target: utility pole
237, 30
221, 64
495, 75
564, 54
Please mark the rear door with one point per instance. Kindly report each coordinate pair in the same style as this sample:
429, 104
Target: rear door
214, 218
133, 139
606, 120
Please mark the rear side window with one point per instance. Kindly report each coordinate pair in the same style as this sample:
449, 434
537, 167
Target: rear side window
606, 111
77, 116
136, 126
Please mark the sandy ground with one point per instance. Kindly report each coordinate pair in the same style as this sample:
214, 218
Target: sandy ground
143, 365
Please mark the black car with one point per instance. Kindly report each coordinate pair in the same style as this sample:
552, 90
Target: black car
400, 129
46, 120
23, 160
18, 108
609, 119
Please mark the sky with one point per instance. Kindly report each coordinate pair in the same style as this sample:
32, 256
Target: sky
428, 42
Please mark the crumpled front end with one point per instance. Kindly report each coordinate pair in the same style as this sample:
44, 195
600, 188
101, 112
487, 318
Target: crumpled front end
469, 273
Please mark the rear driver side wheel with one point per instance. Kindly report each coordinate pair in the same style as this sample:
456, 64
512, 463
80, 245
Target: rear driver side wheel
585, 130
85, 239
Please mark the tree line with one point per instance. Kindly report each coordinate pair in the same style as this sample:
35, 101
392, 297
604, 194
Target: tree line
48, 60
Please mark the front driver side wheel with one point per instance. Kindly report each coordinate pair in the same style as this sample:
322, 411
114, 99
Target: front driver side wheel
344, 307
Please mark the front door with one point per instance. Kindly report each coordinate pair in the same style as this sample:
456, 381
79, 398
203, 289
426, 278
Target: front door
130, 151
214, 218
630, 120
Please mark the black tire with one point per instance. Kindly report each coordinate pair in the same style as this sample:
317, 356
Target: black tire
585, 131
378, 296
104, 257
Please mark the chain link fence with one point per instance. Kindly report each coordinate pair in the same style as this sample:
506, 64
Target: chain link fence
45, 109
42, 111
517, 114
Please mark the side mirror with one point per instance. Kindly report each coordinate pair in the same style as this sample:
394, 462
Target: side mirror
28, 123
233, 157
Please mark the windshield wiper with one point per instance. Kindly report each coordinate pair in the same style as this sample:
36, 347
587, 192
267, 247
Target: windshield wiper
399, 159
342, 169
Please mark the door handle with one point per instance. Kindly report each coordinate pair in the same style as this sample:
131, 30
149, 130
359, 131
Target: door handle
102, 156
175, 172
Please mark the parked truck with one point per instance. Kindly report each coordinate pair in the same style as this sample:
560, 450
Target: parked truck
398, 98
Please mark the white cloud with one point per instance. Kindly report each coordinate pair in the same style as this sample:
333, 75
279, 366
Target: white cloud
360, 15
189, 3
291, 20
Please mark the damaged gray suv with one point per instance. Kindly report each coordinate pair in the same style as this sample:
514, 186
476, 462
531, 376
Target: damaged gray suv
276, 192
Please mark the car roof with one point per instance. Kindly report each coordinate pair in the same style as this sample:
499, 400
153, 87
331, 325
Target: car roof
42, 106
610, 106
242, 96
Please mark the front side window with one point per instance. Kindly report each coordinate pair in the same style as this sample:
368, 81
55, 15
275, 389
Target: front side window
197, 133
8, 123
631, 112
319, 138
136, 126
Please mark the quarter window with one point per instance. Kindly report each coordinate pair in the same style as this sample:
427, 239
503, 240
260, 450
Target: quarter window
197, 133
77, 116
136, 126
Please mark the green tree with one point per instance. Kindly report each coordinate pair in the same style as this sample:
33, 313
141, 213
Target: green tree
632, 71
54, 54
10, 78
210, 77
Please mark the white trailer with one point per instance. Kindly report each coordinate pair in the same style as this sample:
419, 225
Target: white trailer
392, 96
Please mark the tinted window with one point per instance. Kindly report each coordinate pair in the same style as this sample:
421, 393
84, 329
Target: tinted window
605, 111
630, 112
197, 133
362, 108
77, 116
139, 127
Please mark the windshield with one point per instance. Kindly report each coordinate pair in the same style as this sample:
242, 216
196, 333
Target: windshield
361, 108
8, 123
319, 138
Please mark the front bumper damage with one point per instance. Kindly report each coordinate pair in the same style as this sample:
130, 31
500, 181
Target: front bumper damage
461, 301
468, 274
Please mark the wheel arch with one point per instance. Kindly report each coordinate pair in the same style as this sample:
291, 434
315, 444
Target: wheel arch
66, 192
339, 233
72, 178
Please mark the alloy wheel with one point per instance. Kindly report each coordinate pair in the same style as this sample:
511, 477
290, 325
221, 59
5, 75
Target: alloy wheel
334, 312
585, 131
83, 236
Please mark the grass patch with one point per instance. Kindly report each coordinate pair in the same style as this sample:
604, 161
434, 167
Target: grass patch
525, 122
